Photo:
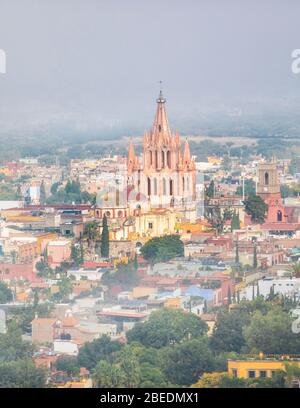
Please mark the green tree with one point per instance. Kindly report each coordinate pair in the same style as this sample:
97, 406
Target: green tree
296, 270
184, 363
129, 364
100, 349
65, 287
166, 327
254, 256
21, 374
12, 346
228, 334
235, 222
219, 380
249, 186
5, 293
162, 249
107, 375
215, 218
271, 333
105, 238
43, 269
256, 208
210, 190
68, 364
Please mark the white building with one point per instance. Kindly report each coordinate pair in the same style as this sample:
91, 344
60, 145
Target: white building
289, 287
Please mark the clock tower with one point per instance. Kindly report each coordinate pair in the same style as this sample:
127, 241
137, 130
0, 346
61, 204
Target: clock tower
268, 188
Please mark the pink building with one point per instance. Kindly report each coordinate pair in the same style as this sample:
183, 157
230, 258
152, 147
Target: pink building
10, 271
59, 251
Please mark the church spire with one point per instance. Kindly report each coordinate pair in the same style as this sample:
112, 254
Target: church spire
161, 132
187, 153
131, 153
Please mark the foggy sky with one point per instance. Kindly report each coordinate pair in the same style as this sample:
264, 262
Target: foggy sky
88, 61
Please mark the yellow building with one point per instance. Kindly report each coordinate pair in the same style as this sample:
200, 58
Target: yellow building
255, 368
189, 227
43, 239
139, 292
155, 223
216, 161
84, 383
173, 303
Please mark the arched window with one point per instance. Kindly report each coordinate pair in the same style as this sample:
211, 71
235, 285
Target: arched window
169, 159
156, 160
120, 214
279, 215
117, 197
183, 186
151, 160
162, 159
107, 213
171, 187
155, 186
149, 186
164, 186
266, 178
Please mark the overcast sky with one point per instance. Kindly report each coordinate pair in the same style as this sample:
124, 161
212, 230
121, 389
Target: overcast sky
103, 59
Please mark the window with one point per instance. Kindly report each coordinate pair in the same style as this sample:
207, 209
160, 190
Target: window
149, 186
150, 225
171, 187
279, 215
251, 374
273, 373
234, 372
263, 373
266, 179
164, 186
169, 159
155, 186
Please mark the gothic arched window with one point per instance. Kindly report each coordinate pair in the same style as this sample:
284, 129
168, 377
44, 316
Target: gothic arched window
162, 159
149, 185
169, 159
279, 215
155, 186
171, 187
164, 186
183, 184
266, 178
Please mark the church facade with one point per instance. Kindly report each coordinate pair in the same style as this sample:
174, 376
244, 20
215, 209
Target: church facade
157, 190
164, 177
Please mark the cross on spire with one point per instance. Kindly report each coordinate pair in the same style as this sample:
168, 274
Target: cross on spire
160, 98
